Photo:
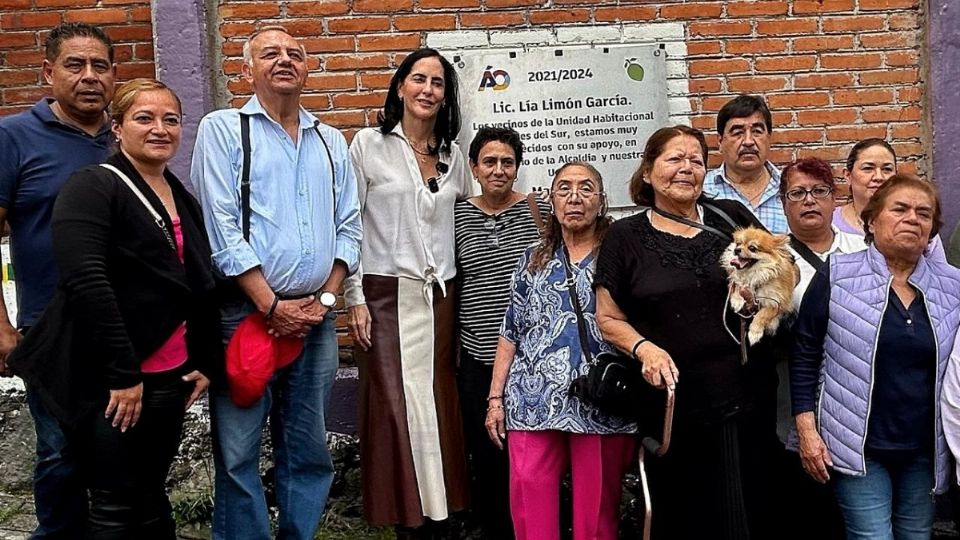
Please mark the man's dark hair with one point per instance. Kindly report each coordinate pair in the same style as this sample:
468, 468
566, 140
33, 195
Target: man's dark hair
66, 31
507, 136
742, 106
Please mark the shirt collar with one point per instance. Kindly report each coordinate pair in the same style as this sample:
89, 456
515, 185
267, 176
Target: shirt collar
720, 175
253, 106
44, 112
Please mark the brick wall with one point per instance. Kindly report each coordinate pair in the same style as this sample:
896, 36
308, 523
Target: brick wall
833, 71
23, 28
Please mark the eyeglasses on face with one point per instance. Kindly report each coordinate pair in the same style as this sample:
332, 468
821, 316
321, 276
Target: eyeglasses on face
798, 194
583, 191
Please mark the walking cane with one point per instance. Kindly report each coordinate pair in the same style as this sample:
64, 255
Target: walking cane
657, 448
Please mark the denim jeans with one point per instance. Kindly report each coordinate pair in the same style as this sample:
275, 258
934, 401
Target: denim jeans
58, 491
894, 501
295, 400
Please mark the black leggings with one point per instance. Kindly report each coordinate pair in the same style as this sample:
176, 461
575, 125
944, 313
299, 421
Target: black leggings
127, 472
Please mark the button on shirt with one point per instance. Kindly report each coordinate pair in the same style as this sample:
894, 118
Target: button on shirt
38, 152
769, 210
296, 228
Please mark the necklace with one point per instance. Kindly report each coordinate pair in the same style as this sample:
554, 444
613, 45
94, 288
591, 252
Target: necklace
423, 156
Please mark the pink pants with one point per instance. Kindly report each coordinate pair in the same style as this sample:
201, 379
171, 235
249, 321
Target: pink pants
538, 461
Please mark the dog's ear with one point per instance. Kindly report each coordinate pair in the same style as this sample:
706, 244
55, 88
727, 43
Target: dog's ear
781, 240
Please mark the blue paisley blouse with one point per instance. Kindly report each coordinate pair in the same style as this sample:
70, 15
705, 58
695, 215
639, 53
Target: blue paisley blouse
542, 323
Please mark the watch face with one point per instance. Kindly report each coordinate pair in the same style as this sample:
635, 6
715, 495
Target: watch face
328, 299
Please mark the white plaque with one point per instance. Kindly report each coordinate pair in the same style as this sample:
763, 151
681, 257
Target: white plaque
597, 105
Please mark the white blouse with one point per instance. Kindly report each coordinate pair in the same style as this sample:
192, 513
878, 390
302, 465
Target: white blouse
407, 230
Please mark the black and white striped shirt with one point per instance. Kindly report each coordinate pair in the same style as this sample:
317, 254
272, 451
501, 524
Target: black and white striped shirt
488, 248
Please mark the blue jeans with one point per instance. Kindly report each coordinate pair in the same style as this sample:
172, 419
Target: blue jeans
894, 501
295, 400
58, 490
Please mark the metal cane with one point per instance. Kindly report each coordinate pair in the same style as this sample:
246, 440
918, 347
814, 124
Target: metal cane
657, 448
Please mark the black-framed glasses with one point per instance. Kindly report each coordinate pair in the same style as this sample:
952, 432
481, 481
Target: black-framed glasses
798, 194
433, 183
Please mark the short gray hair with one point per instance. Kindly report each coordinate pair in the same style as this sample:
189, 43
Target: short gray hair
247, 48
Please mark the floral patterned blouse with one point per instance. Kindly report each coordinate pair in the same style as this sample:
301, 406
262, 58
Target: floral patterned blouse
542, 323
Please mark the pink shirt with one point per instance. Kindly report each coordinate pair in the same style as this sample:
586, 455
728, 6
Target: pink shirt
173, 353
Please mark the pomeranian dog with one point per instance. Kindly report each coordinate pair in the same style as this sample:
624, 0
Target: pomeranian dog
761, 263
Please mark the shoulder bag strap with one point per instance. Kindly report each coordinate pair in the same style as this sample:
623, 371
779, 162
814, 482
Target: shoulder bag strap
575, 300
691, 223
723, 215
146, 203
245, 176
807, 253
535, 210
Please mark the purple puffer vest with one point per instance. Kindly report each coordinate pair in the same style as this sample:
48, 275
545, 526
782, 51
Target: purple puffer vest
859, 289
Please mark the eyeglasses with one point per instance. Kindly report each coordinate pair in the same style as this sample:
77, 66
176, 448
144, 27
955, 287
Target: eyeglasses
433, 181
799, 194
583, 191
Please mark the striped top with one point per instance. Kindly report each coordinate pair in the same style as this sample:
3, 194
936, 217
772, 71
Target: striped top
488, 248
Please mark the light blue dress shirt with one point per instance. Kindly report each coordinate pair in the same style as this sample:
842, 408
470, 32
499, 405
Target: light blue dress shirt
770, 209
298, 223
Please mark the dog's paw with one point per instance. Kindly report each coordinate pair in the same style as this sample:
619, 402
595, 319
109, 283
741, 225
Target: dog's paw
756, 332
737, 302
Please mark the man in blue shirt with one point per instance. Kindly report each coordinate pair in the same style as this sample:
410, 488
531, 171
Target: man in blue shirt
304, 239
41, 147
744, 125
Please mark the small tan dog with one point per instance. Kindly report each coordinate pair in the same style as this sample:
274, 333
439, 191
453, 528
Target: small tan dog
761, 263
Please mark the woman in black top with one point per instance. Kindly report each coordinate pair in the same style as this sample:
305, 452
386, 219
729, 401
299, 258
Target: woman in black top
133, 331
661, 297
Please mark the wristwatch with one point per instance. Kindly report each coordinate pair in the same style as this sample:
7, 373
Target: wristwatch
327, 299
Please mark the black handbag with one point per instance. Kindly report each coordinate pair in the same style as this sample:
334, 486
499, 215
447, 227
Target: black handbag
614, 382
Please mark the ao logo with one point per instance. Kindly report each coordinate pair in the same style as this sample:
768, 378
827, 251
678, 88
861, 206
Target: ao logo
498, 79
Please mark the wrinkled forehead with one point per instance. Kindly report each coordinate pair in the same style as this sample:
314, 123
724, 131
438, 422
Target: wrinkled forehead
755, 120
575, 176
83, 48
276, 39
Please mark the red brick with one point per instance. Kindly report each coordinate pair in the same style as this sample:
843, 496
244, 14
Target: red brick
33, 58
892, 114
315, 102
786, 63
696, 48
371, 80
715, 67
756, 46
904, 21
862, 96
889, 40
693, 10
780, 27
340, 119
855, 133
141, 14
796, 100
490, 20
144, 51
15, 4
782, 118
906, 131
13, 109
903, 58
909, 95
392, 42
716, 29
890, 76
65, 3
382, 6
358, 25
561, 16
704, 122
239, 86
328, 44
611, 14
130, 32
28, 19
133, 70
712, 103
358, 100
23, 95
793, 136
750, 9
827, 117
300, 27
822, 43
705, 86
803, 7
512, 3
340, 62
96, 16
868, 5
818, 80
858, 23
445, 4
123, 52
909, 149
755, 84
828, 153
328, 81
406, 23
851, 61
318, 9
20, 77
252, 10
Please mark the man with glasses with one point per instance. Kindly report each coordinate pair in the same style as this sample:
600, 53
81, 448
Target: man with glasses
279, 199
807, 193
744, 126
39, 149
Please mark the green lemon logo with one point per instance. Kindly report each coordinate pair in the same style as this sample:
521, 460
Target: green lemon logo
634, 70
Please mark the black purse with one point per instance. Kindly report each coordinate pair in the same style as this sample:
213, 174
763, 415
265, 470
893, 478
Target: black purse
614, 382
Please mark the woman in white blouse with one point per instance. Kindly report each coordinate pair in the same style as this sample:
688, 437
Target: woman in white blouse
401, 302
